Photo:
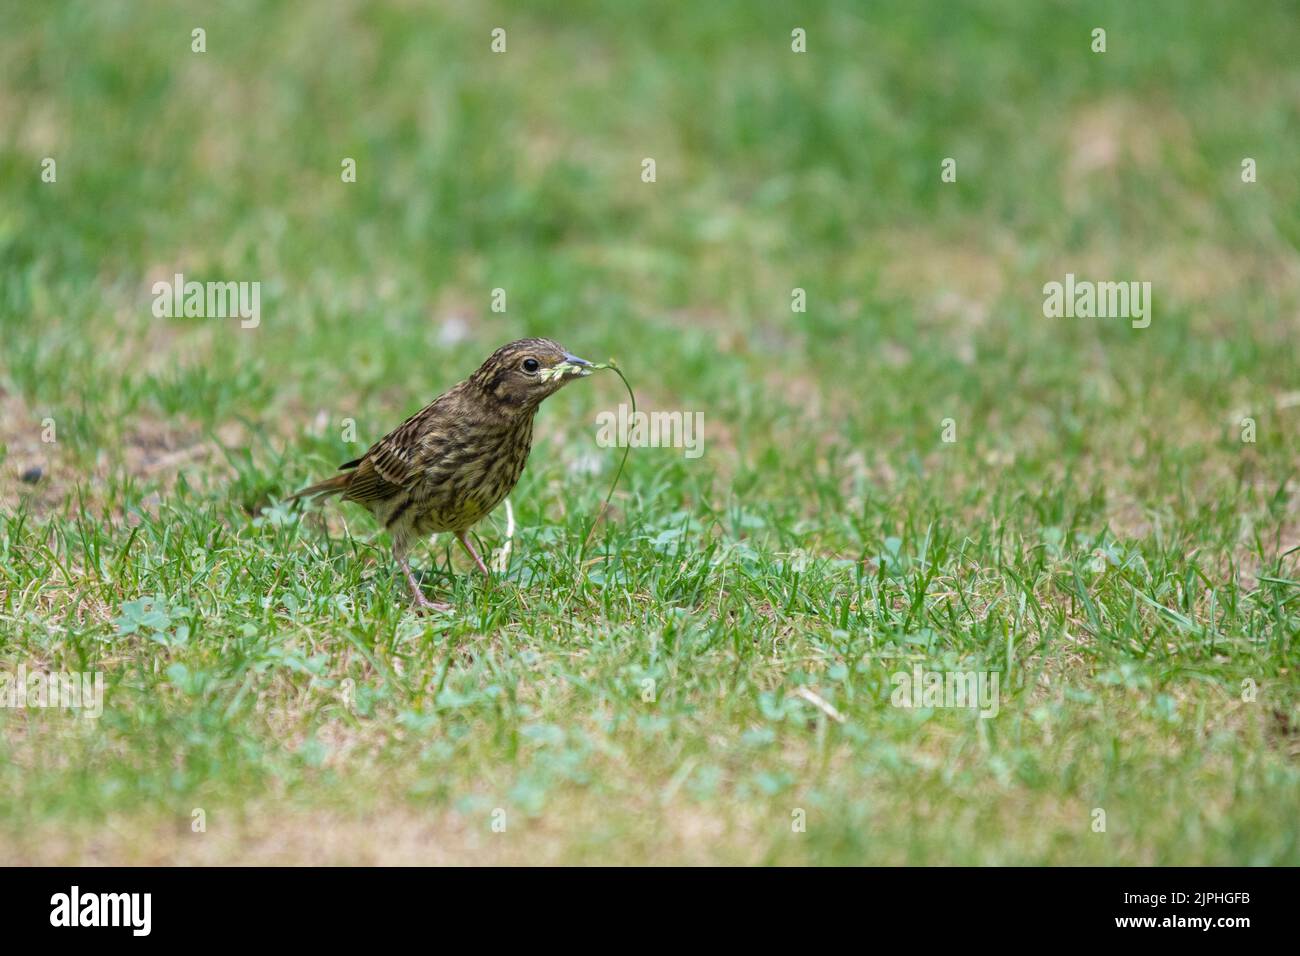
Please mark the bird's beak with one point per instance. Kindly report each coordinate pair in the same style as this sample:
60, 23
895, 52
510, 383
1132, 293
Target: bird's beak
574, 360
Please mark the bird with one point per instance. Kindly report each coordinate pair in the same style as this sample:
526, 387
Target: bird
451, 463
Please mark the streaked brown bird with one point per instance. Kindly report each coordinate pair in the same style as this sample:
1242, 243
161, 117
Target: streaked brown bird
448, 465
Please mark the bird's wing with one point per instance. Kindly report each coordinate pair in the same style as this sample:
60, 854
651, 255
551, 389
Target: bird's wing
395, 461
369, 484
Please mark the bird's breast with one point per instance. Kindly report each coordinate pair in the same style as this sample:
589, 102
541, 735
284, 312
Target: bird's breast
471, 475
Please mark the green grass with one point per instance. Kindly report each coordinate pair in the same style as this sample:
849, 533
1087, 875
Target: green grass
1098, 533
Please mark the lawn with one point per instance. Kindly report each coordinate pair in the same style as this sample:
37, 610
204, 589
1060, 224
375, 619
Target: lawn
906, 465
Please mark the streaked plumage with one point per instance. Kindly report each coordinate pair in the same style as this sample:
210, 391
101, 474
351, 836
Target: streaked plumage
447, 466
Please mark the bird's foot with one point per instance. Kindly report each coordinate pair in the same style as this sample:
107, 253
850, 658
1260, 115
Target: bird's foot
422, 603
468, 545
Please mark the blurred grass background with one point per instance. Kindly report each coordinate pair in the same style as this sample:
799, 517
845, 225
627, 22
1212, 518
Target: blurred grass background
1098, 529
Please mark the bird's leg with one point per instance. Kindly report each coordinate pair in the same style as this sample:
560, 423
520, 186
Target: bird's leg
463, 538
417, 595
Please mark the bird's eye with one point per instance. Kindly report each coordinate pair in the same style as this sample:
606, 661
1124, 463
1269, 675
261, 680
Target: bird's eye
531, 365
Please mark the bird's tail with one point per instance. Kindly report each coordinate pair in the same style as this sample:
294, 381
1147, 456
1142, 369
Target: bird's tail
324, 489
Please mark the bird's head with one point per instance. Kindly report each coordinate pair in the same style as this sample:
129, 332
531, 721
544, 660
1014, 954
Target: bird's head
524, 373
